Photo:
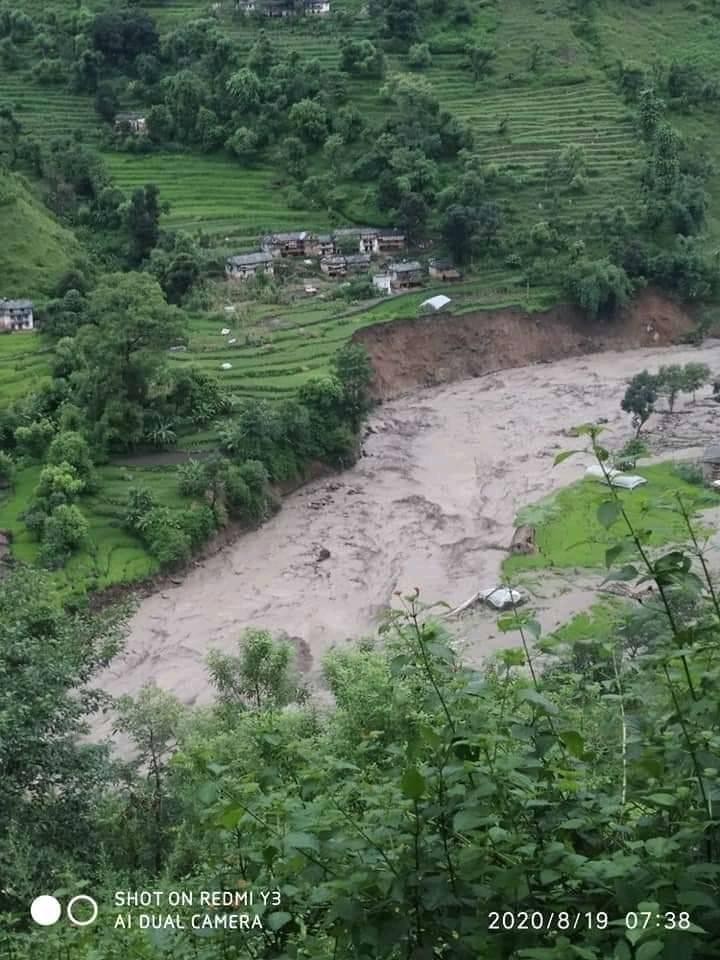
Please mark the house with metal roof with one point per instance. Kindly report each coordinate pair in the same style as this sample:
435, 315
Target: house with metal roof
16, 315
286, 244
245, 265
407, 273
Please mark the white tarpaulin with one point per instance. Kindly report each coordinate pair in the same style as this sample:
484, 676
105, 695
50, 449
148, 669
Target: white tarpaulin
435, 303
627, 481
501, 597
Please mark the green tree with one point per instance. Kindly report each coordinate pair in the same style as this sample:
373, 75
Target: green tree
353, 369
599, 287
310, 119
419, 56
478, 59
51, 774
639, 399
671, 381
65, 530
151, 721
697, 375
7, 470
71, 447
122, 352
260, 676
142, 221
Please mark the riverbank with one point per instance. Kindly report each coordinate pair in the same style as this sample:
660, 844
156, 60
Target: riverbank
431, 504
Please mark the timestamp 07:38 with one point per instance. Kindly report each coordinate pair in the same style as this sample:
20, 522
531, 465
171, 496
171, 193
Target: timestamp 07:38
537, 920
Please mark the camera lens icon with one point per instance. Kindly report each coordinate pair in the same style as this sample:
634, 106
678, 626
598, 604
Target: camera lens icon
47, 910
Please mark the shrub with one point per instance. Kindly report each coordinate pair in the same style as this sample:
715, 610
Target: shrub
690, 473
192, 478
7, 469
64, 531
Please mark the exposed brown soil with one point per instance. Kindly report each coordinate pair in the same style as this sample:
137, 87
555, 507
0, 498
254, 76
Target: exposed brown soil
441, 348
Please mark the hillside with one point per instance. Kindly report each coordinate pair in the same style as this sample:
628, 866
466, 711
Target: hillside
35, 250
560, 152
551, 83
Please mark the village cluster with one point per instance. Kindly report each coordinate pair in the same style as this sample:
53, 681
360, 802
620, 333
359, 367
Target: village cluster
365, 243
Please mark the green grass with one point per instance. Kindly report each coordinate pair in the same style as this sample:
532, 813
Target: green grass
34, 249
23, 364
112, 555
591, 626
570, 535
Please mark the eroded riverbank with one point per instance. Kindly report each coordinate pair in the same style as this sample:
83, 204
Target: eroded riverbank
431, 504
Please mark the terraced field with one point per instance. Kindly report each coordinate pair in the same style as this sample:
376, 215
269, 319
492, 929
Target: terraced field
50, 110
214, 193
23, 364
298, 343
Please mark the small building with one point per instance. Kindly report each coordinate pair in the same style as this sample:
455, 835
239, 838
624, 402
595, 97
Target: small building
321, 245
285, 244
357, 262
711, 463
367, 240
129, 122
388, 241
16, 315
408, 273
316, 7
381, 282
245, 265
442, 269
434, 304
333, 266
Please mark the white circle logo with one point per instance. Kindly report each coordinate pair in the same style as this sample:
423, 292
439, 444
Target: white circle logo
45, 910
82, 898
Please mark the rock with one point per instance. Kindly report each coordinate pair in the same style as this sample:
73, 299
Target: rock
323, 554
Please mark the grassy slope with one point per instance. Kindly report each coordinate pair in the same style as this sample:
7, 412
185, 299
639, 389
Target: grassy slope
569, 534
568, 99
35, 250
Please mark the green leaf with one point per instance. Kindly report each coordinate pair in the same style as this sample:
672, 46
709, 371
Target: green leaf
649, 949
302, 841
533, 628
662, 799
539, 701
628, 572
608, 512
561, 457
230, 818
468, 820
573, 742
413, 783
622, 951
612, 553
276, 921
207, 793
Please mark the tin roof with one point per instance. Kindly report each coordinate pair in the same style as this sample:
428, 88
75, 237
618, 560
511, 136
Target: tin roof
248, 259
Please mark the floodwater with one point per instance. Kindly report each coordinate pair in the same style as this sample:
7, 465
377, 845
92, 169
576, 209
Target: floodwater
431, 505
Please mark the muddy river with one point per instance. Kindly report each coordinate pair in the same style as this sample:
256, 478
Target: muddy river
431, 504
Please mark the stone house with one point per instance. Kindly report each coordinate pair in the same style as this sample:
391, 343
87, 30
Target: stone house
16, 315
406, 274
129, 122
443, 269
388, 241
286, 244
245, 265
357, 262
334, 266
321, 245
